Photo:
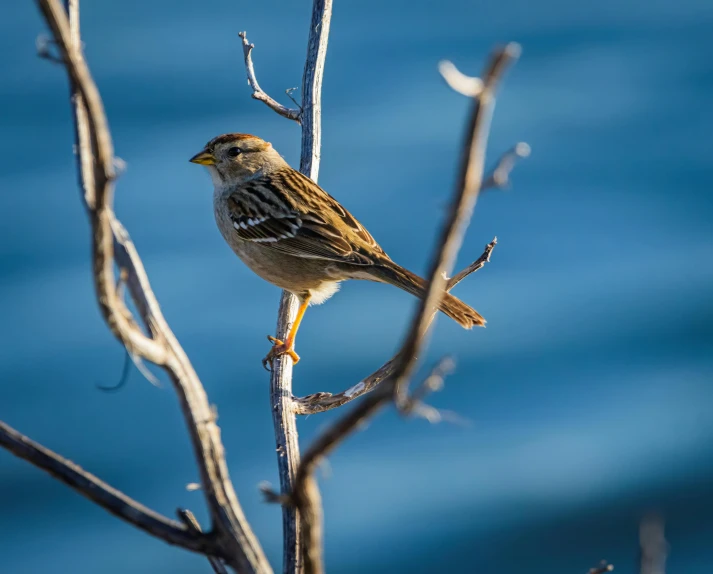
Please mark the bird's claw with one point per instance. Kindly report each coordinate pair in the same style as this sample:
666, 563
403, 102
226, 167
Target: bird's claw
278, 349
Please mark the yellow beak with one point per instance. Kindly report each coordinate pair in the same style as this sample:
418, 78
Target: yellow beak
203, 158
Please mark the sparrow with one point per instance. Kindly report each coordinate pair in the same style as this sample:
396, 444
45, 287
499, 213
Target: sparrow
292, 233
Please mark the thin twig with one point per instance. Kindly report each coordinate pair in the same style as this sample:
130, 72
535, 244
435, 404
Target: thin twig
320, 402
458, 81
414, 405
191, 522
499, 178
123, 379
602, 568
473, 267
258, 92
469, 183
104, 495
112, 246
305, 494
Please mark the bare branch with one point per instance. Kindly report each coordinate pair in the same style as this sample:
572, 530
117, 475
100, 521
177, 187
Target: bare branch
112, 246
258, 93
473, 267
320, 402
500, 176
191, 522
305, 494
323, 401
42, 45
467, 188
413, 405
101, 493
458, 81
281, 400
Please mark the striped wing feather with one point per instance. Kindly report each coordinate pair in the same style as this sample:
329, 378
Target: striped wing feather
305, 222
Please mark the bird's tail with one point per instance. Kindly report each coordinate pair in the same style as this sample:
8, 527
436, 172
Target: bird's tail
394, 274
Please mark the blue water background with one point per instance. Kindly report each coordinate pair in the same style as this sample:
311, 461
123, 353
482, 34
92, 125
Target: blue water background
589, 397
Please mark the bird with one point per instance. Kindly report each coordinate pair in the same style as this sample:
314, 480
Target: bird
293, 234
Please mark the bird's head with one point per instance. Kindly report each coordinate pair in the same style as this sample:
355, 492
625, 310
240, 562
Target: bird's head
233, 159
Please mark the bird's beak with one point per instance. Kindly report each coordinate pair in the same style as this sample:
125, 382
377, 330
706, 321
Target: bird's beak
203, 158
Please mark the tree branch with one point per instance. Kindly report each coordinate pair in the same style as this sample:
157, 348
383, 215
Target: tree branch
191, 522
305, 494
258, 93
320, 402
99, 492
112, 245
499, 178
414, 403
281, 399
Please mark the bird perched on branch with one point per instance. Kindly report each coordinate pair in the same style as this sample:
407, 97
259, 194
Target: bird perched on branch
295, 235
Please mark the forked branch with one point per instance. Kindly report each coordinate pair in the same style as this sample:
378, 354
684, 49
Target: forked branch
230, 532
281, 400
258, 92
305, 495
320, 402
109, 498
498, 178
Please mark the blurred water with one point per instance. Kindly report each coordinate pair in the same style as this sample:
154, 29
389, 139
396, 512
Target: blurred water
589, 394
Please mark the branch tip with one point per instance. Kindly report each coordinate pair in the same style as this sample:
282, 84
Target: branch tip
271, 496
458, 81
258, 92
603, 567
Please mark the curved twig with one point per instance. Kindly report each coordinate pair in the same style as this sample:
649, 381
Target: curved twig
499, 178
104, 495
320, 402
458, 81
258, 92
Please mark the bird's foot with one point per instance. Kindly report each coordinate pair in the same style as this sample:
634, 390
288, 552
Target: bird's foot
278, 349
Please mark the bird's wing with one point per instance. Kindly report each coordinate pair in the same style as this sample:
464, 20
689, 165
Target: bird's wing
306, 223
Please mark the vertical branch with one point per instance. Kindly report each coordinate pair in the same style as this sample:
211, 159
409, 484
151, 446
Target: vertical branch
312, 88
82, 141
281, 399
470, 179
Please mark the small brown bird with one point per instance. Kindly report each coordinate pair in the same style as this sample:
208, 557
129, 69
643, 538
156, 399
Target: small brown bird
295, 235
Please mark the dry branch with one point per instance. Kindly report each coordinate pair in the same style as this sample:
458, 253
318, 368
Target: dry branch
305, 495
602, 568
112, 246
320, 402
191, 522
281, 400
414, 403
99, 492
258, 93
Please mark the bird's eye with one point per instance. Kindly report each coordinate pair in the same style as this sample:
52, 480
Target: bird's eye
234, 151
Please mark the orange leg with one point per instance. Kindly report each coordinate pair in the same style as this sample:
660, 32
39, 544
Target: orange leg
288, 346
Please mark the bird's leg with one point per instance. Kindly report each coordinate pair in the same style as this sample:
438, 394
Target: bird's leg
287, 347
